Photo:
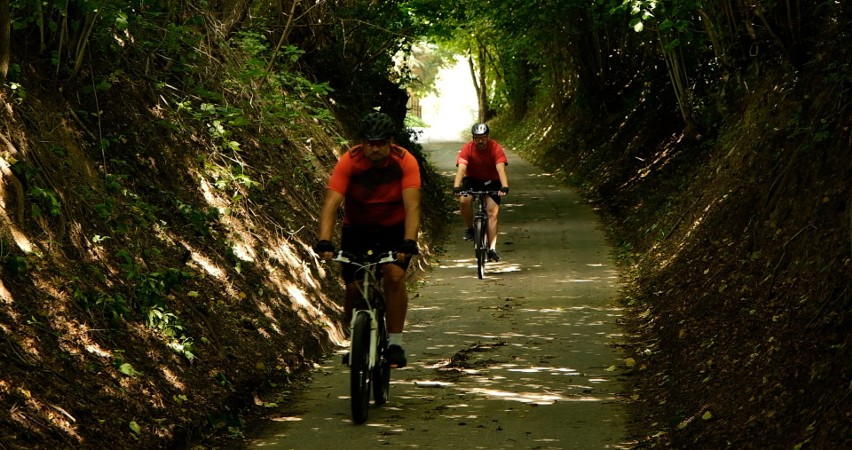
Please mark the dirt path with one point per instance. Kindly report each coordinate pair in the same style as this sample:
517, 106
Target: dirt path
517, 360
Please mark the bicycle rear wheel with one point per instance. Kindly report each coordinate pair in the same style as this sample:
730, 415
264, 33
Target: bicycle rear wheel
359, 364
381, 371
480, 235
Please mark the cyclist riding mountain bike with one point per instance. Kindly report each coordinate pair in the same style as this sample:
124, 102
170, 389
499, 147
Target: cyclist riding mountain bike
378, 184
482, 166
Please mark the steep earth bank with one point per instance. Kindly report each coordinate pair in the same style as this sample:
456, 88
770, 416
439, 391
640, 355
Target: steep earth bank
739, 246
155, 287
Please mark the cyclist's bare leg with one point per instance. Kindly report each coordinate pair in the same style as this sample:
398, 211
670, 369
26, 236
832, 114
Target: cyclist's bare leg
493, 211
466, 209
352, 296
396, 297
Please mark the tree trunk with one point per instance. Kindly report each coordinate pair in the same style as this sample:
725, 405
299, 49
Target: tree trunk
476, 83
477, 73
680, 84
483, 93
230, 14
5, 36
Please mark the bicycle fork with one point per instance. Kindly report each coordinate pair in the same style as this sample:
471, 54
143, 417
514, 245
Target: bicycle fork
374, 335
481, 217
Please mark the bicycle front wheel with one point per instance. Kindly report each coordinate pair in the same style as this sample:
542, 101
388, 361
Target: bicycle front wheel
359, 364
480, 236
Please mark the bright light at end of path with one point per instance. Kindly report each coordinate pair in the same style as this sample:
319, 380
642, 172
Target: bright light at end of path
450, 112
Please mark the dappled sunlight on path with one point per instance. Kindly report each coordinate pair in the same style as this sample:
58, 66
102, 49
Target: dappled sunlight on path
523, 358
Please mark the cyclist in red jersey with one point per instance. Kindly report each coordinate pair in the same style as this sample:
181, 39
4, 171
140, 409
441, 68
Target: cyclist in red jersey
378, 184
482, 166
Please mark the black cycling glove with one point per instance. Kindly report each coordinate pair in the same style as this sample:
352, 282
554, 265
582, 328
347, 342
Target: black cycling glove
323, 246
409, 247
504, 189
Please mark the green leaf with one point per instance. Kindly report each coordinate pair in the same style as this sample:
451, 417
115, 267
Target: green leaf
636, 24
121, 21
135, 428
128, 370
239, 121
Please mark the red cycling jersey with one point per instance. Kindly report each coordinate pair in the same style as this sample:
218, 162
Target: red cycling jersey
482, 165
373, 195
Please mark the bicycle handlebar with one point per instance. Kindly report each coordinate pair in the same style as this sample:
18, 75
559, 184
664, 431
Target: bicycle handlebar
478, 193
365, 260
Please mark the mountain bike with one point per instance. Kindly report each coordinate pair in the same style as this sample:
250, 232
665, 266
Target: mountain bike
480, 228
368, 340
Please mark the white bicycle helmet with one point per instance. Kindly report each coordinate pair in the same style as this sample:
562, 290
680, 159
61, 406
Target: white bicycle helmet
479, 129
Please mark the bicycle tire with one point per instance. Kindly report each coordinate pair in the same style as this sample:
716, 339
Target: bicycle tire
479, 237
359, 365
382, 370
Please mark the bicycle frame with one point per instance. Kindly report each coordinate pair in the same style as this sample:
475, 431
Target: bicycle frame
369, 282
367, 372
480, 225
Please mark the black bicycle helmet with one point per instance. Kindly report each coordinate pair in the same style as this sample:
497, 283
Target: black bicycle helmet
479, 129
377, 126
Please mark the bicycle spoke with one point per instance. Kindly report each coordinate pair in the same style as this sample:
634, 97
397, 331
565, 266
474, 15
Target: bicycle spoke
480, 237
360, 368
381, 372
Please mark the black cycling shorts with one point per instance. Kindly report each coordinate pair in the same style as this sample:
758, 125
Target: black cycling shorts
482, 185
358, 240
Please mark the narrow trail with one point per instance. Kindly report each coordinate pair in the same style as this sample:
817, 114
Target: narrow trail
520, 359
